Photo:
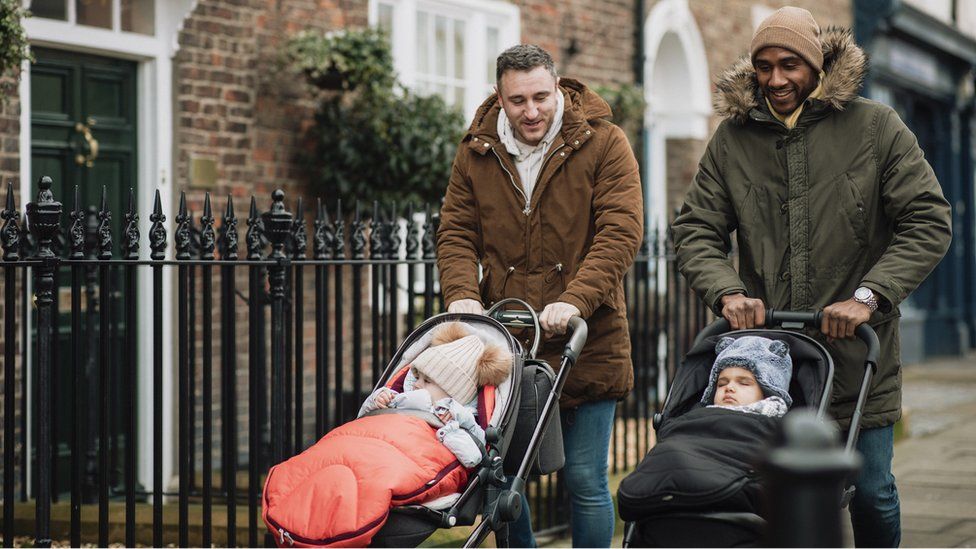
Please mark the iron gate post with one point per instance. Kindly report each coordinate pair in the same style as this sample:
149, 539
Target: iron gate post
44, 221
277, 224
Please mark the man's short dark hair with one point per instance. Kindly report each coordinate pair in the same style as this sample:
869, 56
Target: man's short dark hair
523, 57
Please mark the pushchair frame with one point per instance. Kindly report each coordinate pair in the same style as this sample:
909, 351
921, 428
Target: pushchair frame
791, 322
488, 491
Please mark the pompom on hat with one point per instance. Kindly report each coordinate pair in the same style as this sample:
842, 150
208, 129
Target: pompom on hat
793, 29
460, 362
769, 360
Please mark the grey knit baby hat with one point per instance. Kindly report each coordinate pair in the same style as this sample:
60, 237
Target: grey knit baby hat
769, 360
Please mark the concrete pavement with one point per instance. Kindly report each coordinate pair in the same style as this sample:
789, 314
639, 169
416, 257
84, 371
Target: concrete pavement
935, 465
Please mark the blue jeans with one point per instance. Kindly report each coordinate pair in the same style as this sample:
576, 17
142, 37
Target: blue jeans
875, 510
586, 442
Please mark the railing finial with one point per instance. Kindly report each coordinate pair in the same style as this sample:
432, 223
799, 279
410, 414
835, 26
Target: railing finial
10, 233
157, 232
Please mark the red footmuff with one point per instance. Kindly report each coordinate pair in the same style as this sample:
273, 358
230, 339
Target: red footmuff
339, 492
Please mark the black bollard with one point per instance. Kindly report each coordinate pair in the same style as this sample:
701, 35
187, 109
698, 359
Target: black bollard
804, 475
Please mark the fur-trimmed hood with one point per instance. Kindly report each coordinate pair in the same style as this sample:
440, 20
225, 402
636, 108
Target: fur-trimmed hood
845, 65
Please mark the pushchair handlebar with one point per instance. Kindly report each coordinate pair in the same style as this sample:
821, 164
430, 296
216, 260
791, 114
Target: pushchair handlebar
515, 318
800, 319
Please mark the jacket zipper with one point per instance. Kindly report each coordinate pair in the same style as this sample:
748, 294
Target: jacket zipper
528, 207
525, 210
284, 535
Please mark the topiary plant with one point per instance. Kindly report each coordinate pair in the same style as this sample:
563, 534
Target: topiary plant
386, 146
14, 47
343, 60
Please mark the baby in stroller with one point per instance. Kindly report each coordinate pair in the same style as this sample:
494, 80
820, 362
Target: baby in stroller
751, 374
704, 458
444, 380
414, 441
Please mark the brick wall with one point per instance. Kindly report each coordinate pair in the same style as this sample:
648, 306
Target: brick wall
9, 139
591, 40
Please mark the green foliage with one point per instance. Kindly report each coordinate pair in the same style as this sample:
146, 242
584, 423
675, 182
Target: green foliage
343, 60
384, 146
627, 103
13, 44
372, 139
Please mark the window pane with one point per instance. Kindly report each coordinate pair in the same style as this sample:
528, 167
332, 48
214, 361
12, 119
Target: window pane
440, 46
423, 47
385, 19
458, 49
138, 16
50, 9
95, 13
491, 52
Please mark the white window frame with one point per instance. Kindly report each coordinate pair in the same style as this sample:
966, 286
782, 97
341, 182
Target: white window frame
476, 15
154, 90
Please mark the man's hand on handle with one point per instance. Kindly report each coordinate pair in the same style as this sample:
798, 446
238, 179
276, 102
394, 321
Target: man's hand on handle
842, 318
743, 312
472, 306
555, 317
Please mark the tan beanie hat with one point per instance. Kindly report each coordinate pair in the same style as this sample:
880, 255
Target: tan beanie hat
793, 29
453, 366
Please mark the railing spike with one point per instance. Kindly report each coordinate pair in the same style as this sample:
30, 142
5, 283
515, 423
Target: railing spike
377, 243
157, 232
76, 232
299, 236
208, 239
10, 233
393, 246
104, 228
130, 234
182, 235
340, 233
228, 232
255, 232
413, 235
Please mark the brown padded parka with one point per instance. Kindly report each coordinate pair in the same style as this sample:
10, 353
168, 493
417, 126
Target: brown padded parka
571, 241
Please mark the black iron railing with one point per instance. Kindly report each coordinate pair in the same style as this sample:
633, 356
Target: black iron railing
305, 337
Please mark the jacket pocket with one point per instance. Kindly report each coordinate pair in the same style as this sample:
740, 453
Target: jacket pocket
855, 207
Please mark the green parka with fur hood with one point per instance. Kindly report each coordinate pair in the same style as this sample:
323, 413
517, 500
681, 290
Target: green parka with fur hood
844, 199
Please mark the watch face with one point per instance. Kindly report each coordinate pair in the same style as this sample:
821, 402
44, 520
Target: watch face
862, 293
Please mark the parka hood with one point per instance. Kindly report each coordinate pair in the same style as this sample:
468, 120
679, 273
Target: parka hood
845, 65
582, 105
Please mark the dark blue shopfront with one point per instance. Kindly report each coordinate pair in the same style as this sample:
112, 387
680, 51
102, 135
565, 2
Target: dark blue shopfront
925, 69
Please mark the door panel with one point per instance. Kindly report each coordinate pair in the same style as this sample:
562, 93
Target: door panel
72, 94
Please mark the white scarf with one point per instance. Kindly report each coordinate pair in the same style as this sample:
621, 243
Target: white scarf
529, 158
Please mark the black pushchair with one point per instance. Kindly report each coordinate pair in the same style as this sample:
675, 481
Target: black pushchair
526, 406
653, 524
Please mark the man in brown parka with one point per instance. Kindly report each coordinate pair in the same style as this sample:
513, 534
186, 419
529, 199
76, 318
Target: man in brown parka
545, 196
834, 207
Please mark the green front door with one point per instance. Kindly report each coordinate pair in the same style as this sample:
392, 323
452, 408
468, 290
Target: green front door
83, 132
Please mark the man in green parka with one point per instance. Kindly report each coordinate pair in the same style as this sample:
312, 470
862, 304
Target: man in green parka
834, 207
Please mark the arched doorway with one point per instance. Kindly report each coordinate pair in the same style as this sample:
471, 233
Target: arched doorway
677, 92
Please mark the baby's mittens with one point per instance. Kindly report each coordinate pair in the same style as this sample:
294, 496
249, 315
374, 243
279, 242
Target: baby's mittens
460, 444
414, 400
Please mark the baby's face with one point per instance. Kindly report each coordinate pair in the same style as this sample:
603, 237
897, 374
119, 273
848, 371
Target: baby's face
736, 387
425, 383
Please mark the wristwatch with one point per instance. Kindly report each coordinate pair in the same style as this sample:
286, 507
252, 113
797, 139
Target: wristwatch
867, 297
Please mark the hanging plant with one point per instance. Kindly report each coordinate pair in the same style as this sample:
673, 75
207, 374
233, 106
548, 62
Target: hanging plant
14, 47
343, 60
